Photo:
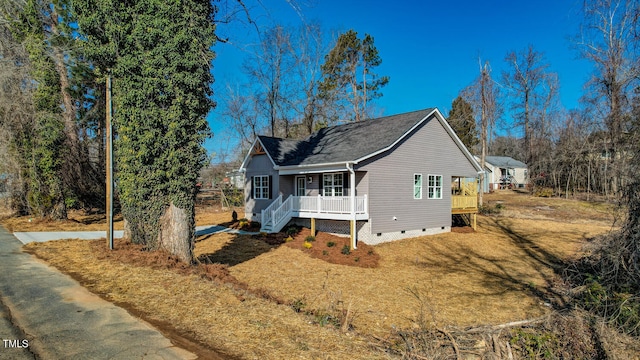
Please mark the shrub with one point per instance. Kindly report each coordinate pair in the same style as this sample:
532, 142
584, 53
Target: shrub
310, 238
307, 245
346, 250
325, 252
331, 244
491, 210
536, 345
288, 239
543, 192
292, 230
297, 305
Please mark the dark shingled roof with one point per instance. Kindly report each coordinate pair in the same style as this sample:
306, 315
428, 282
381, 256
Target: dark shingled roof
342, 143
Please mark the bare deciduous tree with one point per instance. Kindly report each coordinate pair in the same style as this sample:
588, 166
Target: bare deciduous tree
533, 93
608, 39
483, 95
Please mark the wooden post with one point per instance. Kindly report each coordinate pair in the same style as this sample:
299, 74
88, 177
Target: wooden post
109, 166
352, 226
475, 217
313, 226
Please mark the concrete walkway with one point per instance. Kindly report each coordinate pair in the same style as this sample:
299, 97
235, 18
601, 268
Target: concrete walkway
45, 314
42, 236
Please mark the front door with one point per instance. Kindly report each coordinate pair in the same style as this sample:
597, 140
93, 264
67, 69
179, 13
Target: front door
301, 186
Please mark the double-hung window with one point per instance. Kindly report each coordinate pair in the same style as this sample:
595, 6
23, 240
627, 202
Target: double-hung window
435, 187
417, 186
261, 187
332, 184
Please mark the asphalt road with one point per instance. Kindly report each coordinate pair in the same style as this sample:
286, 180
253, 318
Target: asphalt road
45, 314
12, 339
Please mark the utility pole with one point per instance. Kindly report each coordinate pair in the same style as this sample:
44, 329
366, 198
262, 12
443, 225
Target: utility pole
484, 72
109, 165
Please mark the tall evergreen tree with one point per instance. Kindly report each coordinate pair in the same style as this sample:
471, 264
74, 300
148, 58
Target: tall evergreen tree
42, 144
159, 53
463, 122
347, 73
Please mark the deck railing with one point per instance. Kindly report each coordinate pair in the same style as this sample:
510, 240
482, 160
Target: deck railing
329, 204
459, 202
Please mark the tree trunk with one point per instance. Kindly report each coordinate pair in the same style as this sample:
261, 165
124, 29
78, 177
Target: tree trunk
176, 234
127, 230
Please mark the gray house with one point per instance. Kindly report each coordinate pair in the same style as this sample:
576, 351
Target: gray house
378, 180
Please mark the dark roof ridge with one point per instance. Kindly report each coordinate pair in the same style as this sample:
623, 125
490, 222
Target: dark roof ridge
381, 118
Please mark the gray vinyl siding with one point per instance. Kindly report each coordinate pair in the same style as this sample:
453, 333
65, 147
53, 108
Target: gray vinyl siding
259, 165
428, 151
288, 184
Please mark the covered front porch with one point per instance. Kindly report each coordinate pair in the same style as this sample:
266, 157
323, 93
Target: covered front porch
278, 214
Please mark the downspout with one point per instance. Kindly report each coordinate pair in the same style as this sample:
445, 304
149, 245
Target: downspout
352, 195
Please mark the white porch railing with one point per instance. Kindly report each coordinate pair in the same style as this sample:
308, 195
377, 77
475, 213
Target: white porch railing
267, 214
282, 214
329, 204
279, 213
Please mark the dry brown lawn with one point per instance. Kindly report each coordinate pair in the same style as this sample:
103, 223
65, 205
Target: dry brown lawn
79, 220
283, 303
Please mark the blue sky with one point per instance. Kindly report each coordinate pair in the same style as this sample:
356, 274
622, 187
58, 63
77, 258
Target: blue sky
429, 49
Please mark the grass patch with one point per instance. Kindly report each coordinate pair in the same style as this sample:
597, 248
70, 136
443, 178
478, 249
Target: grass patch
503, 272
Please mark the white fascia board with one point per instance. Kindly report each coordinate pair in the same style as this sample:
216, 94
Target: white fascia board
397, 140
311, 169
447, 128
457, 140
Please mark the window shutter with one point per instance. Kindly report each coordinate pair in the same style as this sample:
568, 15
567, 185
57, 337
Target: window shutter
345, 180
251, 187
320, 184
270, 186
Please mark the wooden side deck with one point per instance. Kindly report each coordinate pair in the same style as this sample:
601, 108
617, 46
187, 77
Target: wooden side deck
464, 199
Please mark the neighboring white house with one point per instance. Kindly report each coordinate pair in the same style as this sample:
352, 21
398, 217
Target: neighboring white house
503, 172
234, 179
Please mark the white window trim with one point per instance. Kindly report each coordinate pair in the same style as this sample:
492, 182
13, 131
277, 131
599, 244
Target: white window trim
415, 186
333, 185
431, 190
260, 192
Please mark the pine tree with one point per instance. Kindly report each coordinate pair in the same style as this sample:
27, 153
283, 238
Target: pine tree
347, 73
462, 121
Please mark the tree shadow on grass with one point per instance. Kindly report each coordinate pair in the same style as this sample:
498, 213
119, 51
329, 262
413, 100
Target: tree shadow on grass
499, 275
241, 248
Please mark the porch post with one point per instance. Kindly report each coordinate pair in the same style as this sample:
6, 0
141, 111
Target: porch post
313, 226
352, 188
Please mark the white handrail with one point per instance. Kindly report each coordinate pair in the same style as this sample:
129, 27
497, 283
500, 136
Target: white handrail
329, 204
282, 213
266, 215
